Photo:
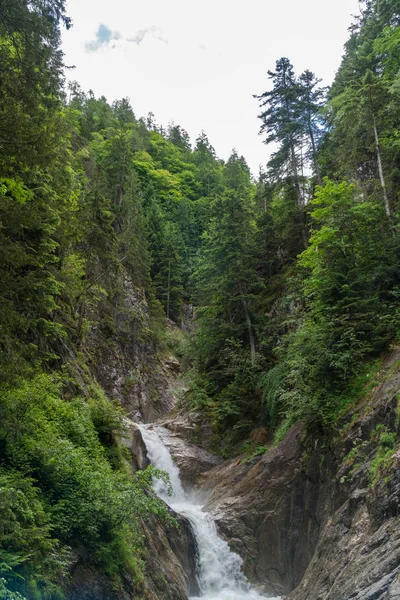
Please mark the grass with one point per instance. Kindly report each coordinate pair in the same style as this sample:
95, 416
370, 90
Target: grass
361, 386
176, 342
386, 441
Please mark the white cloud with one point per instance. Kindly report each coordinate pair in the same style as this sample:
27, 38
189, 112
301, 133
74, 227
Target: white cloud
104, 35
197, 89
141, 34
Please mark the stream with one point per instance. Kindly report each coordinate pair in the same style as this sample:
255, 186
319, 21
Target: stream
219, 573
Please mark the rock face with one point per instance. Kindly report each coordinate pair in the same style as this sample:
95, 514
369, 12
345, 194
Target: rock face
133, 441
191, 460
125, 361
88, 584
170, 560
321, 524
191, 427
170, 568
357, 556
266, 509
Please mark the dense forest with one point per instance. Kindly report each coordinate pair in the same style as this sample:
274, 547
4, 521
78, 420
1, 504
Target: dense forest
294, 277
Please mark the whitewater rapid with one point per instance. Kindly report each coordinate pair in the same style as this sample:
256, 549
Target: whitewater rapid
219, 575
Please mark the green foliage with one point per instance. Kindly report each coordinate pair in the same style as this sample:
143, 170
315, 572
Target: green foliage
271, 384
363, 110
60, 490
260, 450
176, 341
350, 286
282, 430
227, 282
6, 594
386, 442
108, 224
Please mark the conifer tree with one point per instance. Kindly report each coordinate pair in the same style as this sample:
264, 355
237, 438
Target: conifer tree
281, 121
311, 100
226, 276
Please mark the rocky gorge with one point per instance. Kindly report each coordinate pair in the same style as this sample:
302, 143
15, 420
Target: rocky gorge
310, 523
311, 520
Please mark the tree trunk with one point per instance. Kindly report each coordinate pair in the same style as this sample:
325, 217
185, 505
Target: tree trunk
296, 176
250, 330
314, 153
380, 169
169, 287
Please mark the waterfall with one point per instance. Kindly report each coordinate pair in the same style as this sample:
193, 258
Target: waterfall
218, 569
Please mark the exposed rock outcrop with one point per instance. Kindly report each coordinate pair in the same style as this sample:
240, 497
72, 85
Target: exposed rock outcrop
125, 361
170, 568
170, 560
191, 460
86, 583
266, 509
191, 426
321, 523
132, 439
358, 552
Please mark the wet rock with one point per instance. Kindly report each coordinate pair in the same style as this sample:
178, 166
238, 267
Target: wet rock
132, 439
139, 452
191, 427
170, 559
313, 523
265, 508
189, 458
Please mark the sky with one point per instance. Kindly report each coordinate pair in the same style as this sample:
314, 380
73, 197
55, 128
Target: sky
198, 63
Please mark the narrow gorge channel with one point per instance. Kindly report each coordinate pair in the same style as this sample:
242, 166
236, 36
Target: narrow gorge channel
219, 575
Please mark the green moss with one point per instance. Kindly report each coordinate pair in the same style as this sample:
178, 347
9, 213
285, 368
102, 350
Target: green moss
360, 387
381, 463
386, 442
282, 430
175, 341
354, 459
397, 421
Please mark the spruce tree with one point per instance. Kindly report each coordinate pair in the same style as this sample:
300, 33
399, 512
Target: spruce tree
281, 122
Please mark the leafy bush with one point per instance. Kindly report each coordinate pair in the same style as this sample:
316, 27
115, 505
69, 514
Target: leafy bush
387, 440
59, 490
350, 288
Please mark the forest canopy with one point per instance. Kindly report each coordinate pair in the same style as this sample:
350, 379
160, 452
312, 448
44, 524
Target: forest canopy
293, 277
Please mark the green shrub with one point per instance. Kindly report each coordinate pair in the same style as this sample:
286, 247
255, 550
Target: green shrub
59, 489
387, 440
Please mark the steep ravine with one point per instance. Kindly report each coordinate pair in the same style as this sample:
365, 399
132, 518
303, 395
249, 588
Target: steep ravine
317, 523
321, 523
218, 569
310, 523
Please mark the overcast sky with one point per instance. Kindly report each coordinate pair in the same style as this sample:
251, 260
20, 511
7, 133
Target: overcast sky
198, 63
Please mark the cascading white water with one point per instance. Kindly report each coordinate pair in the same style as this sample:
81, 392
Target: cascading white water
219, 575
